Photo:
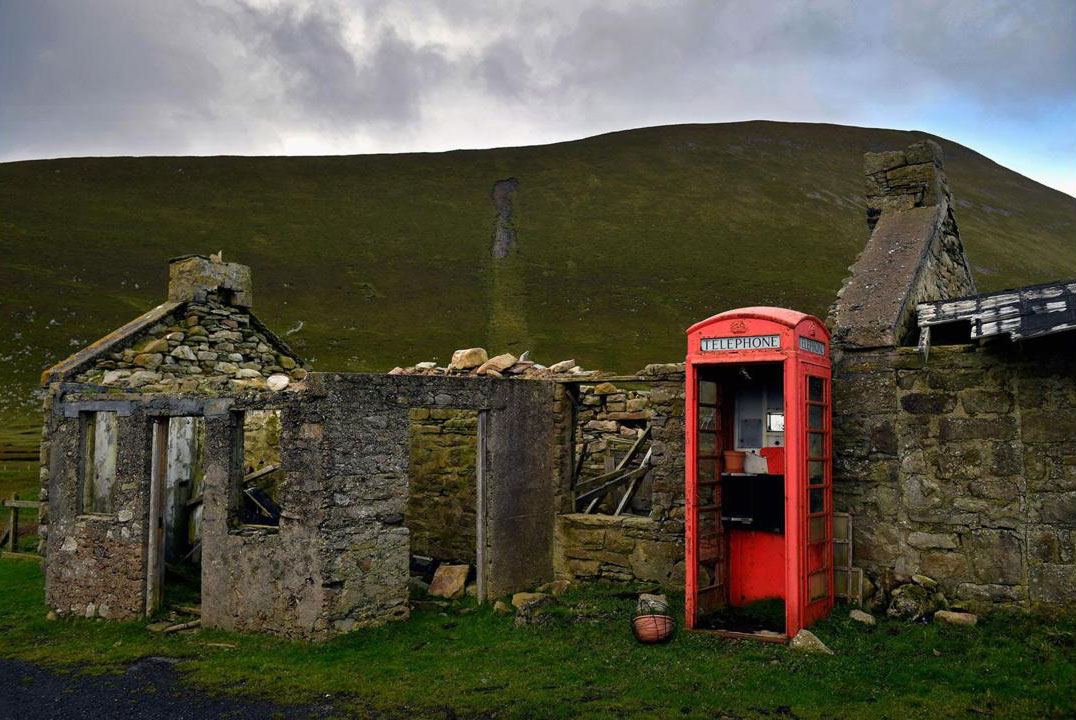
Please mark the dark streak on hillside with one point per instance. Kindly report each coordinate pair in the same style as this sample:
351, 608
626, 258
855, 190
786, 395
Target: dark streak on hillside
504, 232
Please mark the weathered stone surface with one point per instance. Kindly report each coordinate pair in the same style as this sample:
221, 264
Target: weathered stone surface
526, 600
862, 617
605, 388
449, 581
503, 608
277, 382
563, 366
955, 618
184, 353
909, 602
498, 363
468, 358
148, 360
555, 588
154, 346
926, 582
807, 641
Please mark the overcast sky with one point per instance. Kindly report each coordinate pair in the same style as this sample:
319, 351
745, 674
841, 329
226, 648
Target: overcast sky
206, 77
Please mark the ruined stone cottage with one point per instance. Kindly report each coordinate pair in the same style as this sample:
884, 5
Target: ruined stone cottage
193, 445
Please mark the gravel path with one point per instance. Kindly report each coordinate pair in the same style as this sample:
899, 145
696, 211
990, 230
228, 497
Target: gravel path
150, 689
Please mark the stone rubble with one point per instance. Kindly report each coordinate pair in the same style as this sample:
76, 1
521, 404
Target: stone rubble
807, 641
449, 581
956, 618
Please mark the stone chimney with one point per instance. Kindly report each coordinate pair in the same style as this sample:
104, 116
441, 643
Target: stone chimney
194, 277
905, 179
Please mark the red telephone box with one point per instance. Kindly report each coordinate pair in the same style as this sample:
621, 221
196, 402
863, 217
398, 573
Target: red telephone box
758, 535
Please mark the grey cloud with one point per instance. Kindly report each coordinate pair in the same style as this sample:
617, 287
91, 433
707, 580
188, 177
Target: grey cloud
241, 76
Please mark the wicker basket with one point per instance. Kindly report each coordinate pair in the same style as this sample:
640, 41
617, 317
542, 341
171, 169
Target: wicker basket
652, 628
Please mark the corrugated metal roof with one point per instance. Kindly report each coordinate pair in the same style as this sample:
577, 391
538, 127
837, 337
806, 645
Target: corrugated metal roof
1020, 313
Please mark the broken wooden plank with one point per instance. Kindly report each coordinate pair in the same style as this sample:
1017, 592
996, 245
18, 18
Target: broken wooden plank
623, 463
183, 626
598, 493
260, 473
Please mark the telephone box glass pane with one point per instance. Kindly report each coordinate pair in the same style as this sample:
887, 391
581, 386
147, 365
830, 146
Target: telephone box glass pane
816, 472
707, 443
818, 500
816, 389
816, 557
707, 417
707, 470
708, 392
814, 417
818, 529
841, 529
818, 583
816, 444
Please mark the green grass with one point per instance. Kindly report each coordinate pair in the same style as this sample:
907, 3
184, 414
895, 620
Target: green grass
586, 664
624, 240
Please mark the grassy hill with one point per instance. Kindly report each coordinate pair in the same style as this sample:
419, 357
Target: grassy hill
622, 241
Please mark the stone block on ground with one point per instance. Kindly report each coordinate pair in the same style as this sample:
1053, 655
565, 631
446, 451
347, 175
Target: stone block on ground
652, 604
910, 602
807, 641
449, 581
862, 617
953, 617
502, 607
555, 588
562, 366
523, 600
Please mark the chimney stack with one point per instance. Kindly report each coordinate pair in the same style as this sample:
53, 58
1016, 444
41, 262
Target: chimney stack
904, 179
194, 277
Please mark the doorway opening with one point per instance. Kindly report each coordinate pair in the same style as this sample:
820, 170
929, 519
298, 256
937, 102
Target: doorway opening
740, 501
176, 492
443, 511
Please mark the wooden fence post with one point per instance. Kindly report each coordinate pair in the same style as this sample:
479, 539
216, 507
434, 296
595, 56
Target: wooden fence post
13, 541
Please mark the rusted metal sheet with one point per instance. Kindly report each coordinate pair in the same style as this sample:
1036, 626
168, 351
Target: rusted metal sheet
1021, 313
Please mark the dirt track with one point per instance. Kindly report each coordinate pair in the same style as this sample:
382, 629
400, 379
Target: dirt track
150, 689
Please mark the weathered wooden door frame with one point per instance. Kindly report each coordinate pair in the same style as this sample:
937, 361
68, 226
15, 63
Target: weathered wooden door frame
155, 544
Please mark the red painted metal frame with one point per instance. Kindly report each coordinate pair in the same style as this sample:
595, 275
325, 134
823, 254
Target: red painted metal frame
797, 364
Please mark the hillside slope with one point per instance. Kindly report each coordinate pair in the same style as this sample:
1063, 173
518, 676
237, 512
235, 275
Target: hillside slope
620, 241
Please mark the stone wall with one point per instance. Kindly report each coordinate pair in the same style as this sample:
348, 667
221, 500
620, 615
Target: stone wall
441, 501
631, 548
96, 562
962, 468
339, 558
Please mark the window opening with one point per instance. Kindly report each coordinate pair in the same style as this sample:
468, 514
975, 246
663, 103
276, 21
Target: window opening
98, 462
260, 453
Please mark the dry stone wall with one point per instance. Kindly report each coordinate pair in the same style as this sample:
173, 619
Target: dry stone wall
629, 548
207, 346
962, 468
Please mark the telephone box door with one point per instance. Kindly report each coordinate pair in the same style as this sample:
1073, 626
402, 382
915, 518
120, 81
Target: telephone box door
818, 560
